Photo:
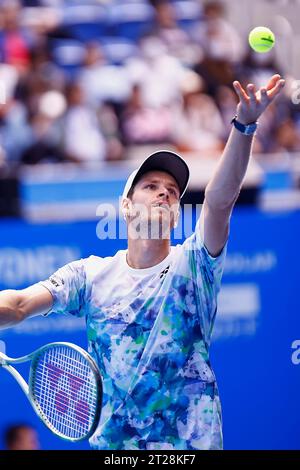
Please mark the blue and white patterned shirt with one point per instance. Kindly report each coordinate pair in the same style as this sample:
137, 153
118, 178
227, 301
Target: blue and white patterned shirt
149, 331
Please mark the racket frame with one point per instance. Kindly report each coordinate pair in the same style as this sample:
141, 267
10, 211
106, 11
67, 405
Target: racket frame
6, 363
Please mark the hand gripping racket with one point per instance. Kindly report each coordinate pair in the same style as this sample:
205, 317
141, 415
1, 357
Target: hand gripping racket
64, 388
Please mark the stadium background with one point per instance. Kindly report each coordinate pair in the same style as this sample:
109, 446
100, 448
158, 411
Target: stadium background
88, 89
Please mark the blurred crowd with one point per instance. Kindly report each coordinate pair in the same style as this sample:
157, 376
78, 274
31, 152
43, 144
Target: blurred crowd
93, 81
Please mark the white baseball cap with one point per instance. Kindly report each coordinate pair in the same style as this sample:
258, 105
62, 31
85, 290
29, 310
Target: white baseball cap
162, 160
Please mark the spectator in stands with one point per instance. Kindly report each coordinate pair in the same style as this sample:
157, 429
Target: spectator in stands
14, 40
101, 81
15, 132
21, 437
110, 126
166, 28
42, 76
222, 47
83, 140
197, 123
219, 39
143, 124
157, 72
46, 133
287, 137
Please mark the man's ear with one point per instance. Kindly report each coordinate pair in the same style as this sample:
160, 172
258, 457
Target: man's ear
125, 207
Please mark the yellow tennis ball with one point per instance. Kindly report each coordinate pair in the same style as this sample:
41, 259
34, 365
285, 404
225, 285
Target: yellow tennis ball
261, 39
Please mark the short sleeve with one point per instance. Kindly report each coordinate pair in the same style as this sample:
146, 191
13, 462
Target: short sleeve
206, 272
67, 287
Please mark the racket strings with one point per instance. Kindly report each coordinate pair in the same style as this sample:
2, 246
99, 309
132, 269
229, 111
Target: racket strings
81, 392
61, 403
65, 391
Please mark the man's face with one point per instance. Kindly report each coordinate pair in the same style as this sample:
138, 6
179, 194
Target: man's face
155, 203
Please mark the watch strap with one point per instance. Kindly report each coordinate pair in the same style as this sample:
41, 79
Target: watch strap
247, 129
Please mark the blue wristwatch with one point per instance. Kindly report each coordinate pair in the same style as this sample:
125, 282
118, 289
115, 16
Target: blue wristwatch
247, 129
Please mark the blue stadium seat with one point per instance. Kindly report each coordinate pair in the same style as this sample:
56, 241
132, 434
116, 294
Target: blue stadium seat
117, 49
188, 13
131, 20
86, 22
68, 54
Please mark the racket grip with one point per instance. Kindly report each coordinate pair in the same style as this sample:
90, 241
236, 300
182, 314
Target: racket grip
3, 359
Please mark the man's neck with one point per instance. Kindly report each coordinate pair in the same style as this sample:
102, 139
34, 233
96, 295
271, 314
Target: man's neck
147, 253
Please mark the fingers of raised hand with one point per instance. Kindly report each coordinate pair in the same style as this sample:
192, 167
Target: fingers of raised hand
272, 82
252, 93
240, 92
264, 98
276, 89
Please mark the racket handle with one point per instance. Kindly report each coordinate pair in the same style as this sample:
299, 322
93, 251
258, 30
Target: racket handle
3, 359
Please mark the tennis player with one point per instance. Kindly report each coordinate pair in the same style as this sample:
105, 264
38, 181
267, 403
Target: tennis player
150, 309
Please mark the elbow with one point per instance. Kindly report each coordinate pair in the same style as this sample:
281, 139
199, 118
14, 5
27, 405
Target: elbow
9, 318
11, 312
19, 316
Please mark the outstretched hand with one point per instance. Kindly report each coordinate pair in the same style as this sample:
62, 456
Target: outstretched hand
253, 102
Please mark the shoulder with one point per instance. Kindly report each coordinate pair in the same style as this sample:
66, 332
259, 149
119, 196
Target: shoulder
94, 264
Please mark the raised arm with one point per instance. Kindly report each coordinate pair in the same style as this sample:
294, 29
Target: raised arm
17, 305
222, 191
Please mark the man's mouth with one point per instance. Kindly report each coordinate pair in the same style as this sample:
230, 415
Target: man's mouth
161, 205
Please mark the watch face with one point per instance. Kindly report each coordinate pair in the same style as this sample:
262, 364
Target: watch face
250, 129
245, 129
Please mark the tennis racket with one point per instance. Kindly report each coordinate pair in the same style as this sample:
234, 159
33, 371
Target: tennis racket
64, 388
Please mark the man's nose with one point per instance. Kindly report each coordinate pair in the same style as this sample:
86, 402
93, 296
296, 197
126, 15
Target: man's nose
163, 192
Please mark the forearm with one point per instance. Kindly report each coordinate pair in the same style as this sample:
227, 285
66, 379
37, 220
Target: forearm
17, 305
9, 308
224, 187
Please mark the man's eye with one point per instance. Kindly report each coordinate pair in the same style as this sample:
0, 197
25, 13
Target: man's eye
150, 185
174, 192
